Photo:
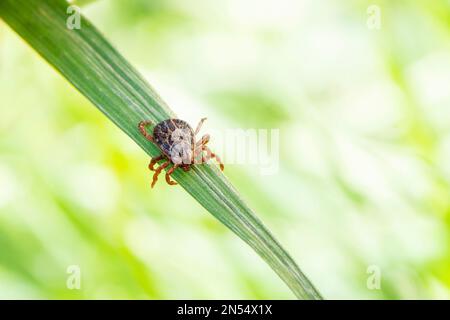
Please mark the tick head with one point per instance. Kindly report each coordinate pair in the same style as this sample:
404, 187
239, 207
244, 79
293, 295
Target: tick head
181, 153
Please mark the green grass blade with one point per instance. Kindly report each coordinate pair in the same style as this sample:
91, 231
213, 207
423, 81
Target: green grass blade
82, 2
99, 72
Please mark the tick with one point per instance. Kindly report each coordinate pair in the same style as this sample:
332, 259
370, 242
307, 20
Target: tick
176, 140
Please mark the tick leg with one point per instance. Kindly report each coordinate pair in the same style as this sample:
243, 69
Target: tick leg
199, 146
199, 126
168, 173
210, 155
203, 141
158, 171
154, 161
143, 131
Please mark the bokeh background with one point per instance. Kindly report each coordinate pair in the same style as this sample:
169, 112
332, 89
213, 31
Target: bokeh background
364, 119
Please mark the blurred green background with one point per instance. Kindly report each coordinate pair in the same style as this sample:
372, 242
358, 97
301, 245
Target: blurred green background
364, 119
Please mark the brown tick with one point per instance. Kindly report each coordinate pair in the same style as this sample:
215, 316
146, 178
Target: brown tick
176, 140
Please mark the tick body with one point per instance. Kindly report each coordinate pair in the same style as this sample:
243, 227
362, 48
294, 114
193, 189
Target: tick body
178, 145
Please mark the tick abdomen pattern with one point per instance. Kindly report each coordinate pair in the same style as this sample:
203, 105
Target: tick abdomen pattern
172, 131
